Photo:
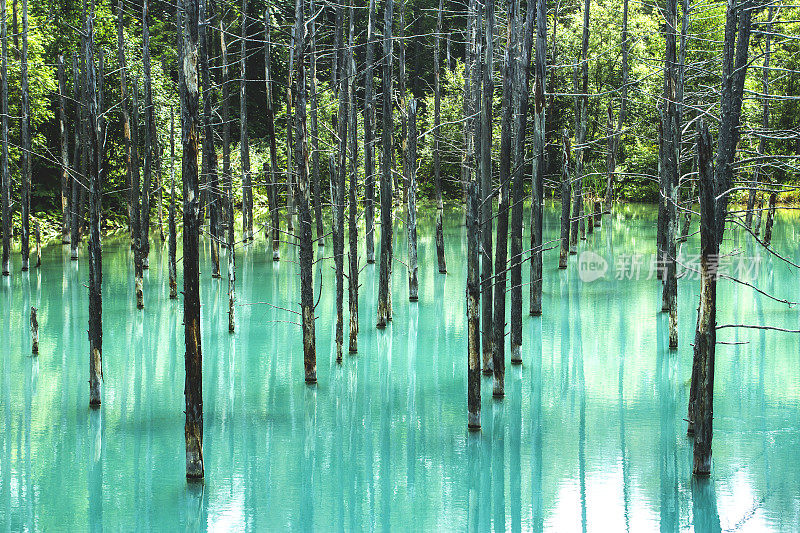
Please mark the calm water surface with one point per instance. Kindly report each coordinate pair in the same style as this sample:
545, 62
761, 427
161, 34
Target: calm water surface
589, 437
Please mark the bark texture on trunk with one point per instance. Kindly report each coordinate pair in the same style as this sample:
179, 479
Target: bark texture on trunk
272, 186
244, 142
538, 166
64, 145
25, 139
563, 254
487, 195
437, 171
352, 205
385, 273
173, 237
473, 310
369, 136
411, 222
5, 175
126, 121
190, 121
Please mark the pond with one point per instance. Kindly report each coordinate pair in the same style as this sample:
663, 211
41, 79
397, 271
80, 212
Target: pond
590, 435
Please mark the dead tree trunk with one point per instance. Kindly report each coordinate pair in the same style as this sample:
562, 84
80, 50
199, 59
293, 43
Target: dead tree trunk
64, 144
138, 218
437, 171
313, 127
190, 122
209, 151
352, 205
385, 274
76, 157
228, 176
126, 122
762, 148
303, 193
487, 195
92, 133
537, 174
402, 78
290, 137
566, 154
369, 137
272, 187
670, 172
149, 130
5, 175
614, 142
524, 35
714, 196
341, 172
473, 311
244, 142
173, 238
411, 223
25, 138
34, 332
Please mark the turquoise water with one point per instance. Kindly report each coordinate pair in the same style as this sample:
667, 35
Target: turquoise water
589, 437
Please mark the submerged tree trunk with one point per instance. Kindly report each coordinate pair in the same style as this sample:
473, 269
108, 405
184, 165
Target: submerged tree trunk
209, 156
524, 32
34, 332
272, 186
5, 175
714, 196
244, 142
473, 311
92, 133
126, 122
369, 137
385, 274
173, 238
762, 142
487, 95
314, 130
341, 171
614, 142
75, 224
352, 205
437, 134
190, 120
563, 254
537, 175
138, 218
227, 177
411, 223
149, 131
64, 144
304, 200
25, 138
669, 169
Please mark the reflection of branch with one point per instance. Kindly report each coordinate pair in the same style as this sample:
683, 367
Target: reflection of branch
751, 326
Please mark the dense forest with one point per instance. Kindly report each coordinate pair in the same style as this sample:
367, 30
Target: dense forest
303, 122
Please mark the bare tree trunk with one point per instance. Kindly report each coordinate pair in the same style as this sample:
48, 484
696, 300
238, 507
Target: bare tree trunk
473, 311
537, 174
34, 332
614, 142
138, 220
487, 195
714, 196
209, 151
578, 222
92, 133
25, 138
411, 223
227, 175
244, 142
385, 273
524, 38
369, 137
303, 194
272, 187
313, 127
402, 79
5, 175
173, 238
762, 148
352, 205
76, 156
64, 145
565, 201
126, 122
669, 169
149, 129
290, 137
190, 119
341, 172
437, 171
